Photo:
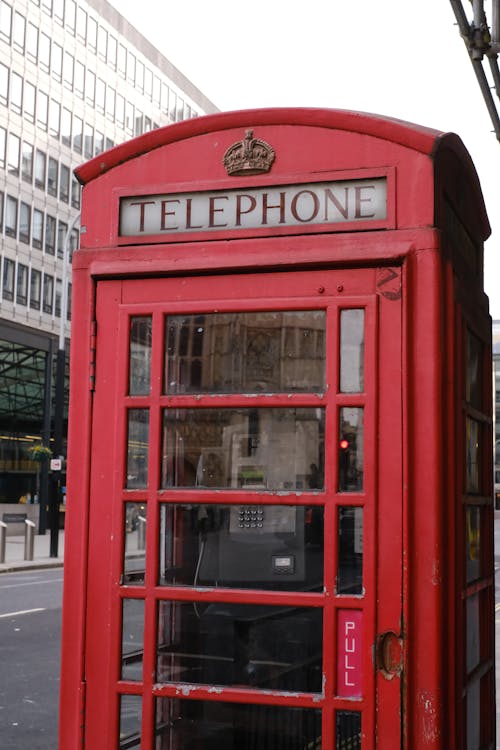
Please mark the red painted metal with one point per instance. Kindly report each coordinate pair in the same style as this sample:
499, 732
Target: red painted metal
417, 274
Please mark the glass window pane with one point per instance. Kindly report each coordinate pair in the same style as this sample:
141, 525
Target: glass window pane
473, 543
9, 268
351, 449
130, 721
350, 551
264, 647
35, 289
474, 371
137, 448
258, 352
134, 560
140, 355
214, 725
242, 546
473, 632
252, 449
352, 343
132, 639
348, 730
472, 457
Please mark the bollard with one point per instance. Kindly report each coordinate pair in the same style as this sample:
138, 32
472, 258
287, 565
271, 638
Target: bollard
3, 536
141, 533
29, 539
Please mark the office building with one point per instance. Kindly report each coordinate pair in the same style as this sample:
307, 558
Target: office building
75, 79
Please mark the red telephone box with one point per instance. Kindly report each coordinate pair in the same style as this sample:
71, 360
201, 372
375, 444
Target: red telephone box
280, 513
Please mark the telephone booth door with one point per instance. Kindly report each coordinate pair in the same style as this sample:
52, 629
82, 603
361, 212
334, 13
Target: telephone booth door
246, 472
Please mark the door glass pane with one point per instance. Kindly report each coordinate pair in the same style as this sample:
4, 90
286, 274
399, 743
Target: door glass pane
258, 352
215, 725
350, 551
254, 449
348, 729
473, 543
140, 356
473, 644
135, 543
242, 546
251, 645
351, 449
472, 457
352, 346
137, 448
130, 721
474, 371
132, 639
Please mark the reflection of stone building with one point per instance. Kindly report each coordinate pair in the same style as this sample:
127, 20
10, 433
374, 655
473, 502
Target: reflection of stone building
496, 406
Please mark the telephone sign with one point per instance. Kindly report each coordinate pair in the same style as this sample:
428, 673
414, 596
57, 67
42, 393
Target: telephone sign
279, 442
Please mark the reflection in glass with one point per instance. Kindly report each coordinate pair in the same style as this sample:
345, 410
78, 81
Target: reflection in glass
252, 645
214, 725
242, 546
474, 371
134, 561
472, 457
473, 543
255, 449
352, 346
348, 730
137, 448
474, 715
140, 356
351, 449
132, 638
256, 352
473, 643
350, 551
130, 721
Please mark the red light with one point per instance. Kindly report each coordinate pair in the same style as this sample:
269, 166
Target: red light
344, 444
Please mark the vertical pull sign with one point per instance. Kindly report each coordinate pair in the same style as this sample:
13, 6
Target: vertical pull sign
349, 667
92, 354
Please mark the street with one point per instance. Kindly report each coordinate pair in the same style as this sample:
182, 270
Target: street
30, 632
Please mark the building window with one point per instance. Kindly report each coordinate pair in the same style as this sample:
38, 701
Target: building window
37, 234
8, 279
50, 235
88, 148
13, 154
48, 293
110, 103
19, 31
16, 93
55, 118
68, 303
1, 210
5, 21
120, 111
44, 51
74, 240
62, 231
122, 61
32, 42
139, 76
24, 223
58, 9
165, 98
52, 176
22, 284
129, 118
47, 6
99, 143
27, 162
70, 16
40, 169
11, 216
79, 79
4, 84
64, 183
3, 141
102, 43
35, 288
77, 133
69, 70
75, 192
131, 67
92, 33
42, 109
57, 61
112, 51
66, 127
58, 300
90, 86
100, 95
29, 101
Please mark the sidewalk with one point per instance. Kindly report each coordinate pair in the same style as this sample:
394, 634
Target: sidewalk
14, 553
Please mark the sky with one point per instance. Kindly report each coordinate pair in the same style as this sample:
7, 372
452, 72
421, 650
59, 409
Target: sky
391, 57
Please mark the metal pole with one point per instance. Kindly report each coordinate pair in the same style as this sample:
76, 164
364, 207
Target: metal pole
29, 539
3, 535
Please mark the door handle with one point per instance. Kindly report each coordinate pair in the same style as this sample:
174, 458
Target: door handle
389, 654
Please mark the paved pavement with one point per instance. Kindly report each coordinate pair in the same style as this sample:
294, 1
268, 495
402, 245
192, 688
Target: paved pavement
15, 551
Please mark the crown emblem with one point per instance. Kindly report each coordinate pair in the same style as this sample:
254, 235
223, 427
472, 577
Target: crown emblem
249, 156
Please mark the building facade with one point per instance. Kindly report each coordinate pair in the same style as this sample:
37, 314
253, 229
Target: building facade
75, 79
